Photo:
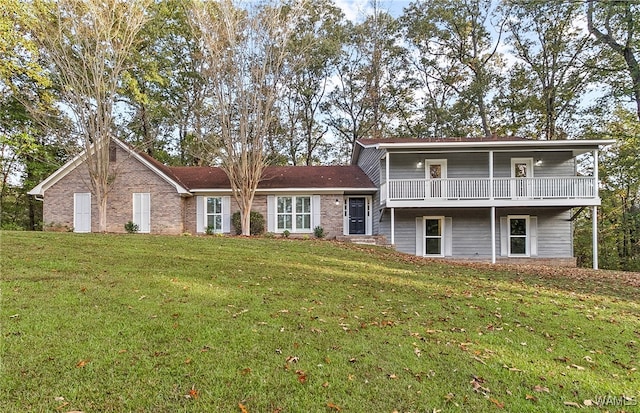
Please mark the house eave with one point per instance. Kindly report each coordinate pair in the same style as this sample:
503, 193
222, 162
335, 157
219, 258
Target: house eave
316, 190
489, 145
486, 203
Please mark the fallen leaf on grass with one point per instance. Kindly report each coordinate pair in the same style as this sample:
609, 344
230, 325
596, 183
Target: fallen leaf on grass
325, 384
479, 360
242, 408
82, 363
478, 387
540, 389
589, 403
496, 402
530, 397
302, 377
334, 406
575, 366
246, 371
193, 393
572, 404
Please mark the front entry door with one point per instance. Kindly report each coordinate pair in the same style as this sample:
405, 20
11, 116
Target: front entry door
521, 172
357, 214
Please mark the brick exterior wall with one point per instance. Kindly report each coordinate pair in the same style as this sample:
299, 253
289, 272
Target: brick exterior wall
130, 176
330, 213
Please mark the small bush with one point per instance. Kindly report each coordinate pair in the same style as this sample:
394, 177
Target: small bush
318, 232
286, 233
256, 223
131, 228
210, 230
269, 235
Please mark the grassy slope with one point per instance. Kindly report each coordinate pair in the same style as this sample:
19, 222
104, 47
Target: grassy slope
138, 323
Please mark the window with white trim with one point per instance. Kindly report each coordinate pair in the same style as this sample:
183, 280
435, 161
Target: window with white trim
519, 235
293, 213
433, 234
213, 214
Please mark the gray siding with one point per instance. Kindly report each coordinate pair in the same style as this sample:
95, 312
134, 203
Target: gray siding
476, 164
369, 161
471, 230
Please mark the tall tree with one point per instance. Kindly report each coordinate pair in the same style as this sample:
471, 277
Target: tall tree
86, 44
555, 55
615, 25
28, 150
619, 218
453, 37
245, 51
368, 94
313, 53
163, 85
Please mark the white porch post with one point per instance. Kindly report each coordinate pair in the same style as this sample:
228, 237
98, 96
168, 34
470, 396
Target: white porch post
386, 173
594, 216
493, 235
595, 237
491, 178
595, 173
393, 226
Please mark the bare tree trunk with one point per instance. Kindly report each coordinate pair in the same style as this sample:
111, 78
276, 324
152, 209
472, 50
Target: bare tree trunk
245, 51
87, 43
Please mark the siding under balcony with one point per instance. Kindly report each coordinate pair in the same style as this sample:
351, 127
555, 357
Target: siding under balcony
452, 192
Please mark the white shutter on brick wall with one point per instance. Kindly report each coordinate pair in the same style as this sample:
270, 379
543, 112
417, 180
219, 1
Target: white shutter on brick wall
199, 214
315, 211
226, 214
142, 211
271, 213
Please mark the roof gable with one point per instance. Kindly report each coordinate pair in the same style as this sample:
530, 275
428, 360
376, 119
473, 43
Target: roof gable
161, 170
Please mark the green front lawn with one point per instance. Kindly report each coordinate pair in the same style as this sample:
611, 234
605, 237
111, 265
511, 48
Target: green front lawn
113, 323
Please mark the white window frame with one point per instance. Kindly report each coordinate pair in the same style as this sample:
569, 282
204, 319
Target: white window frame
527, 236
208, 214
441, 219
294, 214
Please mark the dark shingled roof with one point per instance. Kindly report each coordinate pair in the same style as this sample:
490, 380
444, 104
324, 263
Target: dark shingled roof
278, 177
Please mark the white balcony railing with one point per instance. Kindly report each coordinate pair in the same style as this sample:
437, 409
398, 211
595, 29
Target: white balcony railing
481, 188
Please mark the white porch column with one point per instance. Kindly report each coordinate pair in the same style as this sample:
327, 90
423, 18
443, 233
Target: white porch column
493, 235
393, 226
491, 179
594, 217
596, 184
386, 173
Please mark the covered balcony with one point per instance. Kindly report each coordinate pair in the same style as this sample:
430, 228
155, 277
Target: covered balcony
490, 191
